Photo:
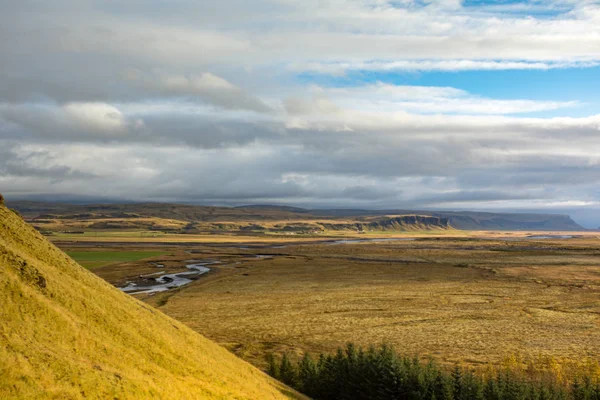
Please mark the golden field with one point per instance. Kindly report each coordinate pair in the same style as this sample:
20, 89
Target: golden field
476, 298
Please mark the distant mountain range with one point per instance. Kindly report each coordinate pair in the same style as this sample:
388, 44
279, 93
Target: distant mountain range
331, 219
472, 220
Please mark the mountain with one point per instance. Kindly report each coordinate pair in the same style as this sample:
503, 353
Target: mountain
471, 220
398, 223
184, 212
513, 221
465, 220
65, 333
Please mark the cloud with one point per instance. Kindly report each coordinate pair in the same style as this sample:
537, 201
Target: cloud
217, 102
417, 99
95, 117
403, 176
207, 86
75, 121
340, 68
82, 48
19, 162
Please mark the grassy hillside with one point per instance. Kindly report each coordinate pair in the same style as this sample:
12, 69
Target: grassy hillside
65, 333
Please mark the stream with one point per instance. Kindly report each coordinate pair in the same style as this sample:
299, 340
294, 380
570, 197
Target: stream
171, 281
165, 282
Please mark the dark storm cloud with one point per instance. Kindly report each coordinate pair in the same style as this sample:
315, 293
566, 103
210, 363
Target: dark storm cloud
34, 163
471, 196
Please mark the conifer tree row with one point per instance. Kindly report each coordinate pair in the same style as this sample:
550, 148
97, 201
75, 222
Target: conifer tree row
380, 373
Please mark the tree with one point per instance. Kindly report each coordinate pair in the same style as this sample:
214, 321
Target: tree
457, 383
443, 387
287, 372
308, 375
491, 390
273, 367
381, 374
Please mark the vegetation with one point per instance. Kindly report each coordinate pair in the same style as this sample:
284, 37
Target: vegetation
382, 374
67, 334
460, 300
99, 258
473, 298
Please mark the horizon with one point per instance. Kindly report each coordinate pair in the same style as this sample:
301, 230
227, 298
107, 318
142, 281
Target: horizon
98, 202
473, 105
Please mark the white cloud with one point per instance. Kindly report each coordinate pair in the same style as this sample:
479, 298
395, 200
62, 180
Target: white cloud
341, 68
95, 116
331, 35
75, 121
381, 97
209, 87
202, 100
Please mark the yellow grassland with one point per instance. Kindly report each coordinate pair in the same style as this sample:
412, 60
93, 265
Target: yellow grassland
462, 300
67, 334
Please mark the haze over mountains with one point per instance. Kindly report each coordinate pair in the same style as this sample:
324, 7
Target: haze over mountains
369, 219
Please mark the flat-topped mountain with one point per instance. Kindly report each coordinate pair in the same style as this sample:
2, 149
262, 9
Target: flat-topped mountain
393, 223
473, 220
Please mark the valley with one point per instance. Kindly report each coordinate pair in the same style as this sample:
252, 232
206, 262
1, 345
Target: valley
487, 301
473, 298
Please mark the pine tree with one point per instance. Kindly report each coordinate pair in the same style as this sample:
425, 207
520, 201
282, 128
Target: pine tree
492, 390
287, 372
587, 387
514, 389
596, 392
544, 393
381, 374
577, 390
273, 368
342, 376
457, 382
392, 377
308, 376
443, 387
472, 387
327, 379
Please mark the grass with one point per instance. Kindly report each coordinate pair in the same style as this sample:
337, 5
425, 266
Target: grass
99, 258
109, 234
458, 300
460, 297
66, 334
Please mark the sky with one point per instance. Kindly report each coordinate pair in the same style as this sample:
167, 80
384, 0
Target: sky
378, 104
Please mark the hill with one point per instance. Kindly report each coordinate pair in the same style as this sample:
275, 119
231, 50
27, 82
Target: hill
67, 334
184, 212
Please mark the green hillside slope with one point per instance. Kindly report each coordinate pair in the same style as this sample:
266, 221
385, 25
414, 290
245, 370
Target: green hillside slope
66, 334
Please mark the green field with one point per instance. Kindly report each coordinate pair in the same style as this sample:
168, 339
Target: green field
95, 259
109, 233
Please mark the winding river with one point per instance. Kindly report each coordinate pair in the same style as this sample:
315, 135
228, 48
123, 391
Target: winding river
172, 281
166, 282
